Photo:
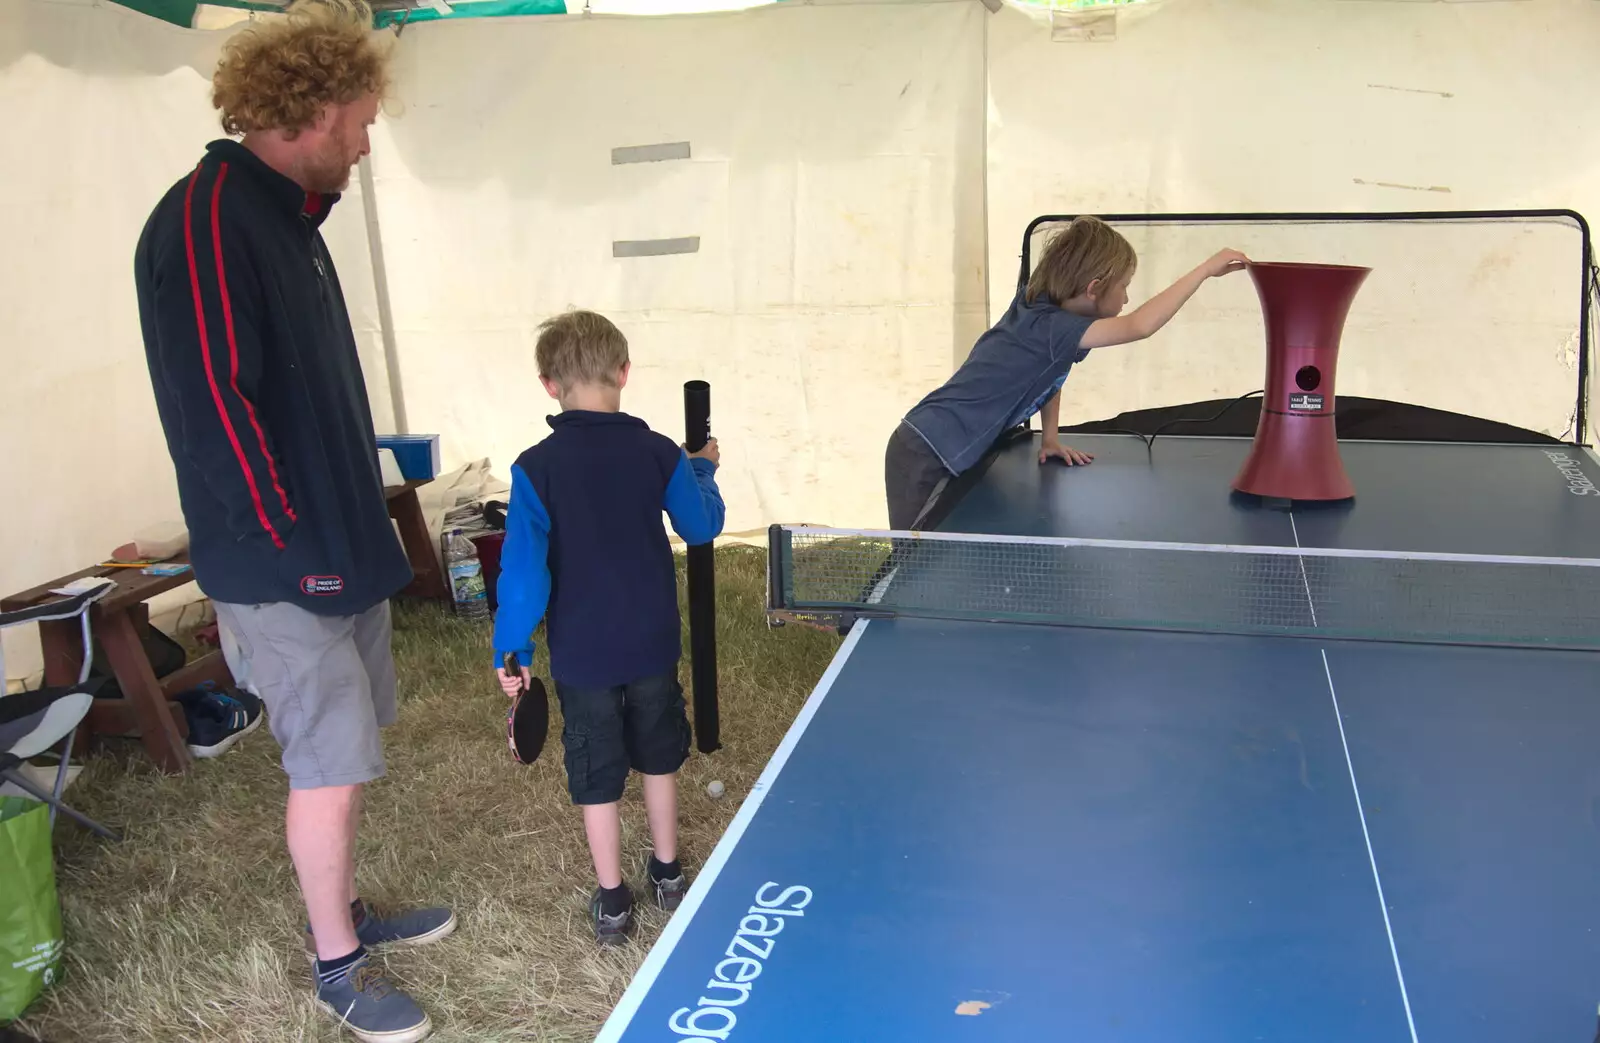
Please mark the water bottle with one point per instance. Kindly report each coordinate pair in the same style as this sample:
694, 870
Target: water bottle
466, 577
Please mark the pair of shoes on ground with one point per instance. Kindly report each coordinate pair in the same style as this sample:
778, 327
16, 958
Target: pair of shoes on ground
612, 930
363, 997
375, 1010
218, 719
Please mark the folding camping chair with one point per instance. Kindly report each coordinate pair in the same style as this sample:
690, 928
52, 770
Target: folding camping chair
35, 721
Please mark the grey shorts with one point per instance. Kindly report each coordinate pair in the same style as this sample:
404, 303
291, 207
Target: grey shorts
913, 477
327, 682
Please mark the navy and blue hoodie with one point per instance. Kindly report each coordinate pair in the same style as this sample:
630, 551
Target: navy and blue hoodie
260, 392
586, 551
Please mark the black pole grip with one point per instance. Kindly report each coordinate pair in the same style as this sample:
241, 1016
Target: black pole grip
696, 414
701, 567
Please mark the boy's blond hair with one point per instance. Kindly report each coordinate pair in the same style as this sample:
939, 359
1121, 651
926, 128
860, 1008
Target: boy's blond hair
581, 347
1086, 250
281, 74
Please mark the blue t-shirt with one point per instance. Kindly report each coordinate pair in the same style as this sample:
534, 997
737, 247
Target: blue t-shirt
1013, 370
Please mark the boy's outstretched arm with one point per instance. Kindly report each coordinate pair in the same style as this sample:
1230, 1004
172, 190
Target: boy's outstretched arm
693, 501
1154, 313
523, 589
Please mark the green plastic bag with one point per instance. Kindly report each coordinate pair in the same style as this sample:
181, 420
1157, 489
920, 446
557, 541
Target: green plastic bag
30, 915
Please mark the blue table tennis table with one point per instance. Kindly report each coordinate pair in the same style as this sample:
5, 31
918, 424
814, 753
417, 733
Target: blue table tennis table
989, 831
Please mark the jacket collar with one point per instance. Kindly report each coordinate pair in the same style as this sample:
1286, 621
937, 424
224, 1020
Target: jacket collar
589, 418
296, 200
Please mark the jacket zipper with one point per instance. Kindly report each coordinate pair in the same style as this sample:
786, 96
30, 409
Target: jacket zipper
316, 259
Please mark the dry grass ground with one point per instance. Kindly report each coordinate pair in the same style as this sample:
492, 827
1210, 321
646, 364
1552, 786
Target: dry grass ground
189, 930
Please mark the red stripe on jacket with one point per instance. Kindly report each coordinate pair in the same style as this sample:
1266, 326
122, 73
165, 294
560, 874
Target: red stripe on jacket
233, 345
205, 354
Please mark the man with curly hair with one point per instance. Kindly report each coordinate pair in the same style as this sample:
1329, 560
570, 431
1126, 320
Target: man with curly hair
260, 392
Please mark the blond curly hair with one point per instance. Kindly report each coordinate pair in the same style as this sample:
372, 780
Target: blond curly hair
281, 74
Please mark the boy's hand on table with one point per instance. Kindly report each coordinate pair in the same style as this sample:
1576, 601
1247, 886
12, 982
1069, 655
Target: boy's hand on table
1073, 457
513, 683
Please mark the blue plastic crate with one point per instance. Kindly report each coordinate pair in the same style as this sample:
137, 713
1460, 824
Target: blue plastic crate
417, 455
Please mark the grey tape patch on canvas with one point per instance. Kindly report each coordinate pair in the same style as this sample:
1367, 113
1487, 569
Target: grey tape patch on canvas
655, 247
650, 153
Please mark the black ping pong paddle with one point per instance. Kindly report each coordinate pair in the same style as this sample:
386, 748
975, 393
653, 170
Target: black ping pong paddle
528, 721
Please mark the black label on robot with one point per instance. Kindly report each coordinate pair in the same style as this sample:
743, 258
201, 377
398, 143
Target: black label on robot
1305, 403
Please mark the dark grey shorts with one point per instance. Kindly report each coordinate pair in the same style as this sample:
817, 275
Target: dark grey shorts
640, 725
912, 477
327, 682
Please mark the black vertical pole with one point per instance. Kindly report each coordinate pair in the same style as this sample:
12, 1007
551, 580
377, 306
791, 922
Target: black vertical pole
702, 587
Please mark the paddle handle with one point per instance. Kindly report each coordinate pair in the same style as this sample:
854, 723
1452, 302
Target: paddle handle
514, 669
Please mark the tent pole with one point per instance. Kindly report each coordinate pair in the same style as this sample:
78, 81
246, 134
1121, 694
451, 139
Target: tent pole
380, 281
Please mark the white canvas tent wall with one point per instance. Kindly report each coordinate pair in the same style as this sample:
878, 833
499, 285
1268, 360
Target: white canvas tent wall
1236, 106
859, 178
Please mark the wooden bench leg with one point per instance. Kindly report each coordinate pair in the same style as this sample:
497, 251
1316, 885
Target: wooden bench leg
428, 580
157, 728
61, 642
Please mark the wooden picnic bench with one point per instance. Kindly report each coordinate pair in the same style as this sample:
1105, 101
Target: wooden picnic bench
121, 622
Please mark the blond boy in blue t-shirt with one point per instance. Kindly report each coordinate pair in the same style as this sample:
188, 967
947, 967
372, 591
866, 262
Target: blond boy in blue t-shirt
1072, 304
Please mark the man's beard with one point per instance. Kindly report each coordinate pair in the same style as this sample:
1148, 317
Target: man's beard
327, 173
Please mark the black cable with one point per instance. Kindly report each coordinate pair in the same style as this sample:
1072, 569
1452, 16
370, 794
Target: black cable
1140, 435
1149, 443
1204, 419
1150, 440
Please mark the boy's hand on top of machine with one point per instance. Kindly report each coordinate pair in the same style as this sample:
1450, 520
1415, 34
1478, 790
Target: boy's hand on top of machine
1225, 261
514, 683
710, 452
1073, 457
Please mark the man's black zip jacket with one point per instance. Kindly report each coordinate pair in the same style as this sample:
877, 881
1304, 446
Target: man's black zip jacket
260, 392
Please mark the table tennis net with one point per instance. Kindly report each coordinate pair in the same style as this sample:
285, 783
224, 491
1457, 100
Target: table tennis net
832, 577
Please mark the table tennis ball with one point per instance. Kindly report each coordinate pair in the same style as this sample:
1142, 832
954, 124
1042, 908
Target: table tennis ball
715, 789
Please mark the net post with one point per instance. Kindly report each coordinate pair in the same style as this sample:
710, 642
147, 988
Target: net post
701, 569
1589, 300
777, 589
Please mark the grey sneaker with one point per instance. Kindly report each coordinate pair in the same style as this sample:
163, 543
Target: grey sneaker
367, 1003
408, 927
669, 892
610, 931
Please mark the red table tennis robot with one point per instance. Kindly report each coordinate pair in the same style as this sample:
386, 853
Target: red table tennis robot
1295, 455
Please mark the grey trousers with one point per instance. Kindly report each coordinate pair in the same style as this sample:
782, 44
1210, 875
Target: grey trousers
912, 478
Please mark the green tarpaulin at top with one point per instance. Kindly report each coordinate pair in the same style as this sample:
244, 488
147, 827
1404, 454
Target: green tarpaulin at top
481, 9
181, 12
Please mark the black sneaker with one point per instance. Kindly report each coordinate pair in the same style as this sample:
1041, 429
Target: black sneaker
218, 719
367, 1003
611, 931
